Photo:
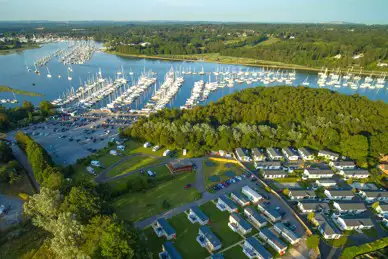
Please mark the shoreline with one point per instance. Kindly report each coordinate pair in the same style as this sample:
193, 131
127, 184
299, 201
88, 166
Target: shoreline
258, 63
7, 89
12, 51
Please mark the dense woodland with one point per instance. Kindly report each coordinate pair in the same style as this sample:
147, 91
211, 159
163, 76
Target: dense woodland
274, 117
310, 45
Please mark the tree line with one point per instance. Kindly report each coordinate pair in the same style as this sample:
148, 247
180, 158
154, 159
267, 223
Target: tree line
20, 116
274, 117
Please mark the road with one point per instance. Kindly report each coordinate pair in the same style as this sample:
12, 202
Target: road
22, 158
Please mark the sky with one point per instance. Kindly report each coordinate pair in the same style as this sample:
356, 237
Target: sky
356, 11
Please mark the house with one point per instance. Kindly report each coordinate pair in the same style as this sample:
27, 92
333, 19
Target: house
163, 228
298, 194
291, 166
318, 173
90, 170
180, 166
242, 156
335, 194
272, 240
326, 182
341, 165
238, 224
274, 154
372, 196
207, 239
113, 152
224, 203
169, 252
268, 165
147, 145
349, 207
197, 215
257, 155
382, 208
240, 199
268, 174
328, 155
252, 248
313, 206
286, 233
155, 148
306, 153
354, 173
353, 222
273, 215
252, 195
121, 147
255, 217
327, 227
217, 256
167, 152
290, 154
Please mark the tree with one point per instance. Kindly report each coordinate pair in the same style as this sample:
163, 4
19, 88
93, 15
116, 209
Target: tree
355, 147
53, 178
311, 216
312, 241
46, 108
116, 241
5, 152
43, 207
81, 203
286, 192
67, 236
375, 205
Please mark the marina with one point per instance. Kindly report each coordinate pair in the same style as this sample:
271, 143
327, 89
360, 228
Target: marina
78, 75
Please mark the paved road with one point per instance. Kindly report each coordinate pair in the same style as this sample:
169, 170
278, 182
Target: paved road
14, 211
200, 175
22, 158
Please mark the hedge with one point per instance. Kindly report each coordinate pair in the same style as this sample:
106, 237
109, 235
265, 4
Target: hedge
353, 251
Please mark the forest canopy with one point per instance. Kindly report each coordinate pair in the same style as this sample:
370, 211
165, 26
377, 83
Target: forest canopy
274, 117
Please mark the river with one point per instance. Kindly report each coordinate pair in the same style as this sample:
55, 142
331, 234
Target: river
13, 73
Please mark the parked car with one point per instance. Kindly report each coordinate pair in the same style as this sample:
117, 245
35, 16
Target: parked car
188, 186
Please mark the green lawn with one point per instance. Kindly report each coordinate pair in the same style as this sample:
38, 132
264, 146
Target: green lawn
186, 235
133, 164
133, 147
219, 224
121, 184
153, 242
138, 206
235, 252
213, 168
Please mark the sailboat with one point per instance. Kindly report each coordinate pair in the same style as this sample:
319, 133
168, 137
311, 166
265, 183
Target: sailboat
48, 73
69, 76
305, 82
36, 70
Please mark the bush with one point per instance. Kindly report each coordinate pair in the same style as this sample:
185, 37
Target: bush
286, 192
166, 204
312, 241
23, 196
353, 251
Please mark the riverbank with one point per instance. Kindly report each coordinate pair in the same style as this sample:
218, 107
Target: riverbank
4, 88
216, 58
10, 51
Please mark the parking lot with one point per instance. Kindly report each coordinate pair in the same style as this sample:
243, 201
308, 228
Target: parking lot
67, 138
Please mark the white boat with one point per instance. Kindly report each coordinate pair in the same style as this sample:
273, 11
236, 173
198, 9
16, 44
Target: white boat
48, 73
305, 82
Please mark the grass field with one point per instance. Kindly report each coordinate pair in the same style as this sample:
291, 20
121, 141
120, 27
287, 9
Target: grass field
121, 184
134, 163
186, 235
138, 206
133, 147
234, 252
218, 169
219, 224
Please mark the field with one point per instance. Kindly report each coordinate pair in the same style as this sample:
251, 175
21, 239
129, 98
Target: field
217, 171
187, 232
121, 184
134, 163
234, 252
140, 205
